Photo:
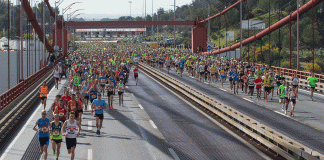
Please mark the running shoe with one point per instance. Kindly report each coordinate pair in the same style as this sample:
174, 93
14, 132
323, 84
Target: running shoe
41, 152
54, 152
266, 100
285, 112
112, 107
97, 131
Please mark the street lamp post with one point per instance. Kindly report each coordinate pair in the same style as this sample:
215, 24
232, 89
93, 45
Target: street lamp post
63, 11
241, 30
174, 27
55, 43
130, 8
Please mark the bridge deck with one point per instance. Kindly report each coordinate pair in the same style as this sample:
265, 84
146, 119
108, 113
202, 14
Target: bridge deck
127, 133
307, 126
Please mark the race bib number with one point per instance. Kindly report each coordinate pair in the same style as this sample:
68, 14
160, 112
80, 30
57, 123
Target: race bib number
44, 129
73, 108
71, 130
61, 114
258, 83
99, 107
93, 96
43, 95
56, 133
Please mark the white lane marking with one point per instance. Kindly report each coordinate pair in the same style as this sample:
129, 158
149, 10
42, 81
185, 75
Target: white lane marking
22, 130
152, 123
206, 82
89, 125
139, 105
126, 86
223, 89
89, 154
247, 99
175, 156
132, 94
281, 113
217, 123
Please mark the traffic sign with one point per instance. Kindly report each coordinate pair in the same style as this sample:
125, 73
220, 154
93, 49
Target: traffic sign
209, 48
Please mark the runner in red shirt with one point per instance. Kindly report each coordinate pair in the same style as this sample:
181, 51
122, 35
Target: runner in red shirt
258, 86
136, 74
66, 98
61, 110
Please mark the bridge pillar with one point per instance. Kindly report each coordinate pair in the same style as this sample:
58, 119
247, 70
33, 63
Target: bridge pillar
199, 38
59, 39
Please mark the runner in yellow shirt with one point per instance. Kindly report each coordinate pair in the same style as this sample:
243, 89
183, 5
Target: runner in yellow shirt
267, 89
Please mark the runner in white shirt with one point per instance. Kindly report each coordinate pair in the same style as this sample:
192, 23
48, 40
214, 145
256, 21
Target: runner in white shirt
71, 129
295, 82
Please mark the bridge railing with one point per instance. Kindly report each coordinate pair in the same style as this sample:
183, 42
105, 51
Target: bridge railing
300, 74
10, 95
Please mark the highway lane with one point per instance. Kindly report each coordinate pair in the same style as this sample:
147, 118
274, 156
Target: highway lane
304, 134
188, 132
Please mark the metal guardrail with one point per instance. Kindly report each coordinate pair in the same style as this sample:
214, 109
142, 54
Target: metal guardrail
10, 115
277, 142
10, 95
302, 75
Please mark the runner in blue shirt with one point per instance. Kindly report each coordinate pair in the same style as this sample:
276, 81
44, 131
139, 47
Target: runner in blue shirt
103, 79
98, 105
181, 65
235, 80
43, 135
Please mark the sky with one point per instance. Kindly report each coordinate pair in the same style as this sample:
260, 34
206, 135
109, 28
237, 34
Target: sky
115, 8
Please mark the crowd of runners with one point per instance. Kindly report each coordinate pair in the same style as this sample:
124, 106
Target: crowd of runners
96, 70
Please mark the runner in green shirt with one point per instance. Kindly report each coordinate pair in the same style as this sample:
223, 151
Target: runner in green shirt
312, 80
76, 80
281, 91
272, 81
56, 135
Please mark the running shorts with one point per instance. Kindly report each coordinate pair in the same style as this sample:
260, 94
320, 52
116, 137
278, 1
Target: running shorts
120, 93
57, 140
100, 116
80, 110
43, 141
70, 142
110, 93
42, 98
295, 86
135, 76
87, 97
251, 87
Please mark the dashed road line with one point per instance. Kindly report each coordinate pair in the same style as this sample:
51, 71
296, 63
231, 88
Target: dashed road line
152, 123
89, 154
140, 106
89, 125
247, 99
175, 156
